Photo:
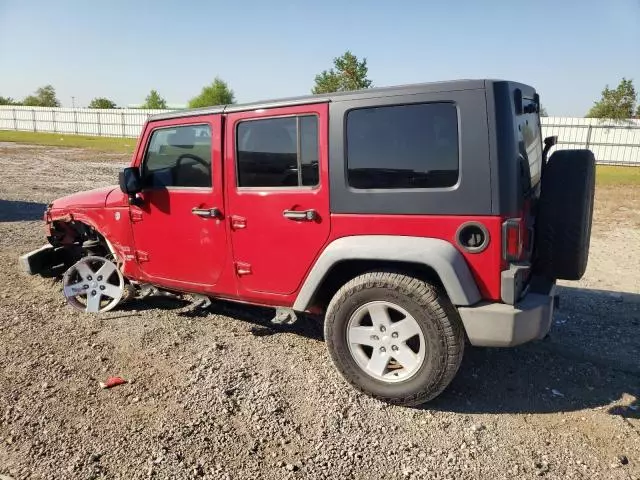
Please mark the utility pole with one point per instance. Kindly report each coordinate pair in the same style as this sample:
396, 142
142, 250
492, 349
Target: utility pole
73, 102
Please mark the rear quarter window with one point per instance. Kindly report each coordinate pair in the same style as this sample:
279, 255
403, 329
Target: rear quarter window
403, 146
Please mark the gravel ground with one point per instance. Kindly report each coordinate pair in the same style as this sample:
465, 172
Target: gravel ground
225, 395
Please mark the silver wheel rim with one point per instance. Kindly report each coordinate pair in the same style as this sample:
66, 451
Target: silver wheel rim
386, 341
94, 285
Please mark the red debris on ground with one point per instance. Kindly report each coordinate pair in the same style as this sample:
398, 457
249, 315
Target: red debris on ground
112, 382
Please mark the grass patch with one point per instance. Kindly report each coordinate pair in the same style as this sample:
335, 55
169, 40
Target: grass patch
103, 144
610, 175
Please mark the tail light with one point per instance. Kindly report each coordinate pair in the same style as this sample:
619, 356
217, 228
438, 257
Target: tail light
512, 239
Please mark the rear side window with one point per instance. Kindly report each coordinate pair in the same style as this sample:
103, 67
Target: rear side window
178, 157
278, 152
403, 146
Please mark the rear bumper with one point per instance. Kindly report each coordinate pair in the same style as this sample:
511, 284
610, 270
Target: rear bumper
42, 261
502, 325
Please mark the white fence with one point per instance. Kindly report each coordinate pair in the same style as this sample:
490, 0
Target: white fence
117, 122
612, 143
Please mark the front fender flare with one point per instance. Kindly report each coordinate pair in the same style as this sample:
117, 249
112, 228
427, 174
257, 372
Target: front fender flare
66, 215
440, 255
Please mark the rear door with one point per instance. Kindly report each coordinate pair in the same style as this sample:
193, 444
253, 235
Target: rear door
277, 194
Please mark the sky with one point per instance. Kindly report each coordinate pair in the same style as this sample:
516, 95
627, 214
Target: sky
121, 49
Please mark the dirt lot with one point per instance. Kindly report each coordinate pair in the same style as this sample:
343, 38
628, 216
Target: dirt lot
224, 395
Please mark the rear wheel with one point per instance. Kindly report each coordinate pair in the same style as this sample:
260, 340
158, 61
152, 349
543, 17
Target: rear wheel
394, 337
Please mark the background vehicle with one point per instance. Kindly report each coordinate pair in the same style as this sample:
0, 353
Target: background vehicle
410, 217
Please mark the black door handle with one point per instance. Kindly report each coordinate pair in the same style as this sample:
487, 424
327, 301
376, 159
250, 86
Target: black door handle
207, 212
300, 215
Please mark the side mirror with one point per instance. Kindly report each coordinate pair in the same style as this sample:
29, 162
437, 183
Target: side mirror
130, 182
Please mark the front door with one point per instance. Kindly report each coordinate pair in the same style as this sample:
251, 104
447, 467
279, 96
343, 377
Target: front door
178, 226
278, 194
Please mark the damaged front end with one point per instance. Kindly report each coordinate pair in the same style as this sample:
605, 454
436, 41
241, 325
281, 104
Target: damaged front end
68, 242
43, 261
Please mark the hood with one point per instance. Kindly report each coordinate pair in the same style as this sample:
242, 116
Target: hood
91, 198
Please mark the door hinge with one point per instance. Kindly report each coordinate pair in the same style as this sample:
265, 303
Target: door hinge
135, 215
243, 268
238, 222
142, 256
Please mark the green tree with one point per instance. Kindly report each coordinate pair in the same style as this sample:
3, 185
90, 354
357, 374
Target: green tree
348, 74
101, 102
218, 93
615, 104
43, 97
154, 101
7, 101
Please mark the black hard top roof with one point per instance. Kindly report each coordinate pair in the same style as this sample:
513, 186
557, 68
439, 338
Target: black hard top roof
433, 87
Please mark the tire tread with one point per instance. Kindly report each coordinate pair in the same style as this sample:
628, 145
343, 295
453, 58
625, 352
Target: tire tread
443, 313
563, 226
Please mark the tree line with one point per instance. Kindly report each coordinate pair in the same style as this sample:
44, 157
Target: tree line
43, 97
348, 73
217, 93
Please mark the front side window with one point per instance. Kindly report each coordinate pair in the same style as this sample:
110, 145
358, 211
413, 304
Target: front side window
278, 152
178, 157
403, 146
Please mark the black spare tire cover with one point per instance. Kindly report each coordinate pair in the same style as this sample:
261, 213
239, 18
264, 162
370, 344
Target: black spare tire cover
565, 212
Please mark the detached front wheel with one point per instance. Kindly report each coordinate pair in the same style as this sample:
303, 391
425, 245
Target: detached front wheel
93, 285
394, 337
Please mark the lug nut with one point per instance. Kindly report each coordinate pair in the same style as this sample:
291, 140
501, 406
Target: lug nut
383, 329
382, 349
93, 293
394, 334
102, 287
86, 287
375, 337
89, 277
99, 278
394, 348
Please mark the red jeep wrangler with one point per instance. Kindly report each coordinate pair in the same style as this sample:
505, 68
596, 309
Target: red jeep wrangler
411, 217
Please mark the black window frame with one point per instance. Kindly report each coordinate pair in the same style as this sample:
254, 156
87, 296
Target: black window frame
345, 152
146, 153
297, 116
537, 140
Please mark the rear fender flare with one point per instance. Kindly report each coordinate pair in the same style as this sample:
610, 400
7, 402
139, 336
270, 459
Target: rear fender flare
440, 255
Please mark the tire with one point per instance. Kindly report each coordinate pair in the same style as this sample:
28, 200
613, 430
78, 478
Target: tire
563, 224
438, 321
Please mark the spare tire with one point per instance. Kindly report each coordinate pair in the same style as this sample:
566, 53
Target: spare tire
565, 212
